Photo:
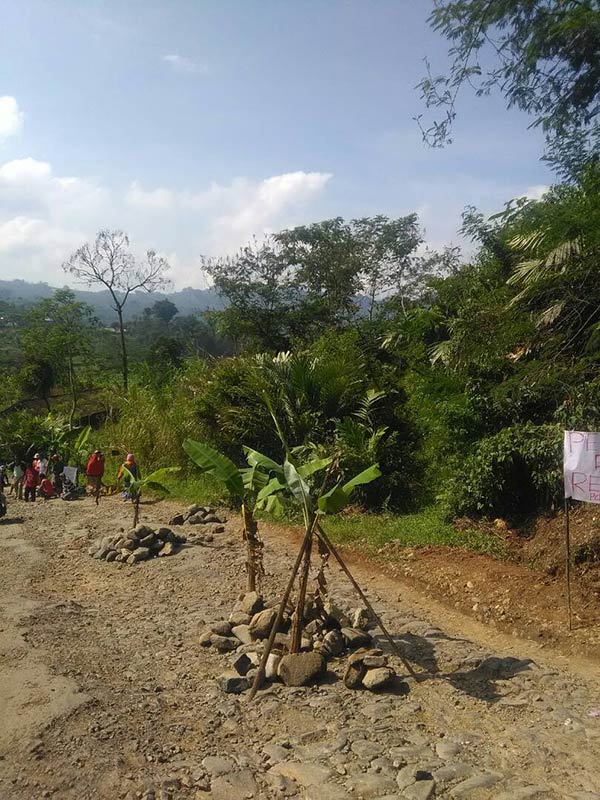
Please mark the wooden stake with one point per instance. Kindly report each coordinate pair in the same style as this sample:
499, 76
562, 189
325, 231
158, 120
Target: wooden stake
298, 618
321, 533
248, 521
568, 562
282, 606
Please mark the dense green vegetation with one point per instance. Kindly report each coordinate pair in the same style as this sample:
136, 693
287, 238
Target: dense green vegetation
349, 341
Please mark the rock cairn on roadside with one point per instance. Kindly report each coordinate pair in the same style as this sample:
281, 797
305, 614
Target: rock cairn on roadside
199, 515
329, 636
138, 544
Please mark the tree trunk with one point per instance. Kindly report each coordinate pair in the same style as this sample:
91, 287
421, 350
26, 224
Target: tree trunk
248, 522
123, 349
73, 392
136, 509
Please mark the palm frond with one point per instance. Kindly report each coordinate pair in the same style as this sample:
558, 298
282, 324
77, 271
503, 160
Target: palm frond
550, 315
441, 352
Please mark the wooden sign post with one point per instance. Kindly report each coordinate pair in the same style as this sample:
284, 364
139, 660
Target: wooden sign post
581, 465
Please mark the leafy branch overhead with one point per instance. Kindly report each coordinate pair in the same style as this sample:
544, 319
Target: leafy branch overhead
543, 56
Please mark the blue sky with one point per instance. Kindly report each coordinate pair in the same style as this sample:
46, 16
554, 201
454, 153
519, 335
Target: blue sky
194, 125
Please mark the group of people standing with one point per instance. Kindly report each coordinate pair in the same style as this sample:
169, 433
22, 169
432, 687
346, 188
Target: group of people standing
45, 478
27, 478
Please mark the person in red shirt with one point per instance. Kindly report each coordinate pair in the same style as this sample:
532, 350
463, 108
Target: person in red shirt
94, 472
31, 481
46, 488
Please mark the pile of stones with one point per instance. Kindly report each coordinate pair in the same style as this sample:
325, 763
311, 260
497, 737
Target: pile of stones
199, 515
328, 637
138, 544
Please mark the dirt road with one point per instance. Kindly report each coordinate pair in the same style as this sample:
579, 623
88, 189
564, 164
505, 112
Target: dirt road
106, 693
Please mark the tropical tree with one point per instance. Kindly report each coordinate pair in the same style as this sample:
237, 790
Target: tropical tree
543, 55
59, 330
163, 310
243, 486
36, 379
387, 256
257, 283
326, 260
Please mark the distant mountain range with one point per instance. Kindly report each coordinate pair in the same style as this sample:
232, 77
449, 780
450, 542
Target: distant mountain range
188, 301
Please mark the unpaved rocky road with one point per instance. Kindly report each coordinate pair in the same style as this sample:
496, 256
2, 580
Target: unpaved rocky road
106, 693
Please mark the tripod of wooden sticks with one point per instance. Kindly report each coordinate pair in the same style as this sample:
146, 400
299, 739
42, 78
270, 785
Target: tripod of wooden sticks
303, 558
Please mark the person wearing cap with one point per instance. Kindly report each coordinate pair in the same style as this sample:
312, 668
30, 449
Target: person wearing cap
94, 473
126, 470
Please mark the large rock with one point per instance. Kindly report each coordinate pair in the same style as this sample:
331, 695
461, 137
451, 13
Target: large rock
221, 627
206, 638
193, 509
272, 666
232, 683
244, 662
354, 675
139, 554
333, 643
378, 678
337, 614
356, 638
223, 643
178, 519
261, 624
251, 603
217, 765
239, 618
298, 669
242, 632
143, 530
361, 619
167, 549
374, 661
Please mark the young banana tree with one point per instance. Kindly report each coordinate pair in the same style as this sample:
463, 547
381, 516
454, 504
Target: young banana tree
315, 504
242, 486
152, 482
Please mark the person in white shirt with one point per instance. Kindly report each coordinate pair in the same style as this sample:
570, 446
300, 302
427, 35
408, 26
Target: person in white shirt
42, 465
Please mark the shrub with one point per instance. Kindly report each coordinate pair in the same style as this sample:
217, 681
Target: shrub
513, 472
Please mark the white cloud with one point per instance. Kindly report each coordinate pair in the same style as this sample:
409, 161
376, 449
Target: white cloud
184, 64
44, 217
28, 186
11, 119
159, 199
236, 211
261, 208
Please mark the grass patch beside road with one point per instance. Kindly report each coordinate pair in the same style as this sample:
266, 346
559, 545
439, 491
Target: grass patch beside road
421, 529
368, 532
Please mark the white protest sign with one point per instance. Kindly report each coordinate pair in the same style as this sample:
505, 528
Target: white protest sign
582, 466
